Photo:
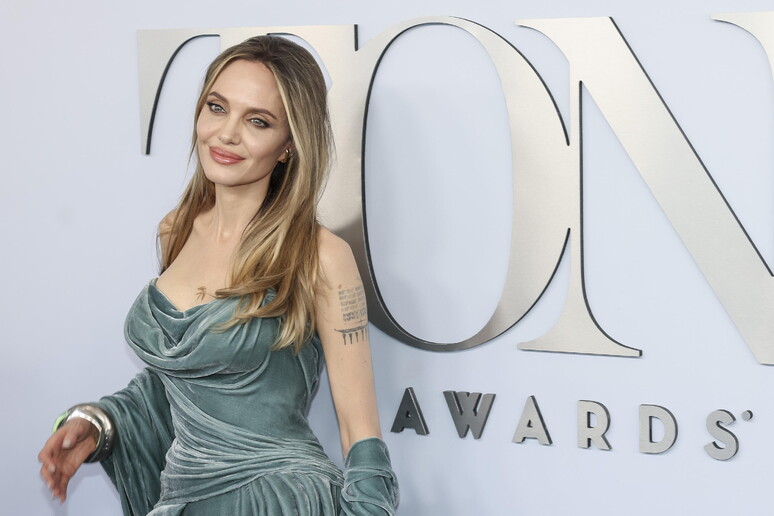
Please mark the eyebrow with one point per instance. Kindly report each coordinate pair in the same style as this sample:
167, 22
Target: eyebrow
250, 110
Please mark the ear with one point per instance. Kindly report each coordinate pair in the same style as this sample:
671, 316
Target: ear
285, 155
287, 152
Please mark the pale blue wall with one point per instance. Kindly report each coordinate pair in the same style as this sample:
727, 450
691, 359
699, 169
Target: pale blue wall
80, 203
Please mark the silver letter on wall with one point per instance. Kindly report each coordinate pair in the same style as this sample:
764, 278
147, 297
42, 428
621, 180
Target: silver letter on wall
409, 415
531, 424
546, 194
469, 410
601, 60
593, 423
716, 426
649, 413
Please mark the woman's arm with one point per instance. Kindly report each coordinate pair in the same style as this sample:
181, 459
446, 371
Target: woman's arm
342, 324
370, 487
143, 423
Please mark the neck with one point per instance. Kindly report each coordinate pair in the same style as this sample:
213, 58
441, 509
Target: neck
235, 207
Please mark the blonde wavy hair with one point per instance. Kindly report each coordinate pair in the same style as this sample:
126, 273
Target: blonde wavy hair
278, 248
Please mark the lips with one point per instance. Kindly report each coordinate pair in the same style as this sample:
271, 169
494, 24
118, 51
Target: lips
223, 157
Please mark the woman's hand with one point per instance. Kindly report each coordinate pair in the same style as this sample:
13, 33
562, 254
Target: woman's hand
64, 452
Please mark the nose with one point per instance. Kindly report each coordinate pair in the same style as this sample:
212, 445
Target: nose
229, 131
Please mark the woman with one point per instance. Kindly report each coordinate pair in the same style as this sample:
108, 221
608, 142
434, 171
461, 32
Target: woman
251, 294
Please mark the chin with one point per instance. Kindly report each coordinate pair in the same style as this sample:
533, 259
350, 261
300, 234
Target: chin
232, 181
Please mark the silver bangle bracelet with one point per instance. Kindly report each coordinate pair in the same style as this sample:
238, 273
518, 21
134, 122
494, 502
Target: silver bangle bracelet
99, 418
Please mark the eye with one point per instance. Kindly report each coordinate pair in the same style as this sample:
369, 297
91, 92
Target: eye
258, 122
215, 108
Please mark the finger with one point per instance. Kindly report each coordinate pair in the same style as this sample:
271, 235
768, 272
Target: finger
47, 465
51, 446
70, 436
53, 468
47, 475
49, 457
60, 487
47, 478
64, 483
74, 432
47, 461
71, 462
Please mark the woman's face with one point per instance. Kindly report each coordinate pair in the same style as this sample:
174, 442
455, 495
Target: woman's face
242, 129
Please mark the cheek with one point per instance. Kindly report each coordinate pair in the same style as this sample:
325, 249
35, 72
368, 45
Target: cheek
202, 136
201, 130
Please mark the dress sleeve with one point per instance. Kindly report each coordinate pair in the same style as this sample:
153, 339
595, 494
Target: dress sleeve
143, 423
370, 485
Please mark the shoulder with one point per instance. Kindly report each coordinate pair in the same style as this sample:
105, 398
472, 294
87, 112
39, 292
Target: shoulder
165, 229
165, 226
331, 247
337, 262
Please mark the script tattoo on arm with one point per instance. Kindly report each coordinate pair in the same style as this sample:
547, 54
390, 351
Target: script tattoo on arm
353, 310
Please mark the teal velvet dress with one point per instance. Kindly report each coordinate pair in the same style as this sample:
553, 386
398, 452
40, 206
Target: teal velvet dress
216, 424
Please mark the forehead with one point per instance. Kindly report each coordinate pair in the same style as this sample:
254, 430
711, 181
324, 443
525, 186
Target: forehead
249, 84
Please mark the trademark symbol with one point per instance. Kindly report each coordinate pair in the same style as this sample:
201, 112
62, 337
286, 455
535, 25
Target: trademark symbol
747, 415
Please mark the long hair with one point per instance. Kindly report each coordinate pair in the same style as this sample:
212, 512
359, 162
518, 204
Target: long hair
278, 248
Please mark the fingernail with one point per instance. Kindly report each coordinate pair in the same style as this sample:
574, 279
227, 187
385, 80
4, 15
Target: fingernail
67, 443
51, 468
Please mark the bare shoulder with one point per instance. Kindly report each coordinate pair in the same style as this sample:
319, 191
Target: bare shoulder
165, 229
336, 259
166, 223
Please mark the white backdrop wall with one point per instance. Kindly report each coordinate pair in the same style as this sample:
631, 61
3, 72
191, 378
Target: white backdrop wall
80, 204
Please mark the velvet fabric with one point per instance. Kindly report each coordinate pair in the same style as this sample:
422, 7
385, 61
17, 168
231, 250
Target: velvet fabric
216, 424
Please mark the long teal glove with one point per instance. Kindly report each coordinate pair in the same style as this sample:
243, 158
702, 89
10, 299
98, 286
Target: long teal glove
370, 485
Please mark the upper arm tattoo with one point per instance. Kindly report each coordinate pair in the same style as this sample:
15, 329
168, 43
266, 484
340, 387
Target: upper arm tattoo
352, 302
